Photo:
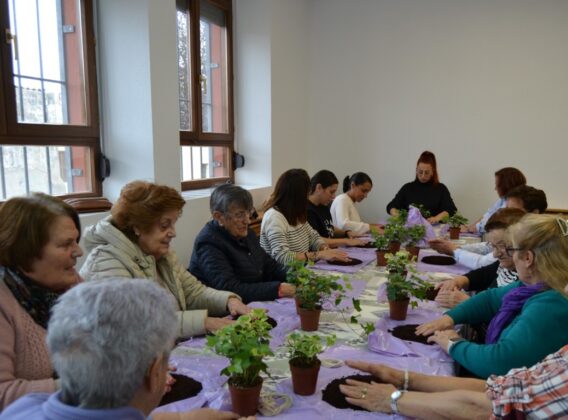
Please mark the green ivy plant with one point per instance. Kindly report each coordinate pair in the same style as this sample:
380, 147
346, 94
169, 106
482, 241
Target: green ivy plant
381, 242
423, 210
456, 220
245, 344
401, 286
304, 348
395, 232
415, 234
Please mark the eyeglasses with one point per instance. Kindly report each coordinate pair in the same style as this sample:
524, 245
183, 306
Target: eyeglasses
502, 248
241, 215
425, 173
509, 250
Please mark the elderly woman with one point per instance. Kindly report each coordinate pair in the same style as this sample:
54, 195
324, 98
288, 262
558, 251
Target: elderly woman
134, 242
540, 249
526, 319
96, 383
285, 233
426, 190
39, 238
227, 255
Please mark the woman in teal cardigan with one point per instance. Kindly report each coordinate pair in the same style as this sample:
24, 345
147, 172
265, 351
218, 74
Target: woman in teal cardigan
528, 318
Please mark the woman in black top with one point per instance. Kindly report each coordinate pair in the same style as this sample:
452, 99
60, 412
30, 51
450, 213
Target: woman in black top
426, 191
322, 192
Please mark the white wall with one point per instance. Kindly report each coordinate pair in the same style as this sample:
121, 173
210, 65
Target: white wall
483, 84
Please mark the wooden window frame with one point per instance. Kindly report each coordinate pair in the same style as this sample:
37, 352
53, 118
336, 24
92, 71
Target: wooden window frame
13, 133
197, 137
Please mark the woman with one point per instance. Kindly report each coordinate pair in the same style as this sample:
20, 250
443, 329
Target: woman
227, 256
535, 392
425, 191
343, 212
39, 238
526, 318
134, 242
500, 273
323, 187
505, 180
285, 233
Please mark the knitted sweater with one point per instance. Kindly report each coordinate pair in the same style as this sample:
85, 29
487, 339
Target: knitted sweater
25, 366
282, 241
433, 197
112, 254
346, 217
538, 330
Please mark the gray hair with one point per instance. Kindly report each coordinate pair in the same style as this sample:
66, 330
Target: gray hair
104, 335
226, 195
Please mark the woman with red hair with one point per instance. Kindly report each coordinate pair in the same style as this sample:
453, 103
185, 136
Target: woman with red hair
426, 192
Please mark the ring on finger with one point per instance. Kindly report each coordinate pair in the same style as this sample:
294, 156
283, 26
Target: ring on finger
364, 393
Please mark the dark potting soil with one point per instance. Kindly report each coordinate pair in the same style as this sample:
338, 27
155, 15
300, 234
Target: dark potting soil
333, 396
367, 245
407, 332
431, 293
184, 387
438, 260
352, 261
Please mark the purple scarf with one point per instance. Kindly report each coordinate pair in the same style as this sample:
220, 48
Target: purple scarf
512, 304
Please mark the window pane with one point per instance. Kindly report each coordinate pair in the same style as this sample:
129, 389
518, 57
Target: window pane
204, 162
214, 82
47, 61
184, 69
55, 170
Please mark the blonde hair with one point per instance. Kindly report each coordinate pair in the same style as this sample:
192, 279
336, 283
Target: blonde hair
544, 236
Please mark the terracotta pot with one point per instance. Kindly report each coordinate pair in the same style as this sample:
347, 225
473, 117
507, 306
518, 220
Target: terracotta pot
413, 250
455, 232
309, 319
398, 309
304, 379
381, 260
431, 293
245, 400
394, 247
298, 303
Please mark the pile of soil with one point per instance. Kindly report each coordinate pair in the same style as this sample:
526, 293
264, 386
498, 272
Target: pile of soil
333, 396
407, 332
369, 245
431, 293
438, 260
183, 388
352, 261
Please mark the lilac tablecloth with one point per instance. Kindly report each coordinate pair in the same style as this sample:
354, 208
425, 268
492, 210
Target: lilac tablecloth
456, 269
366, 255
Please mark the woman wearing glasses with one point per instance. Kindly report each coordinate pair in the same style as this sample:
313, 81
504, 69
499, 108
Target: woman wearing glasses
426, 190
134, 242
227, 255
526, 318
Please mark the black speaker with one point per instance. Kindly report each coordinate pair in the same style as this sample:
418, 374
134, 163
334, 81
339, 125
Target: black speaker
238, 160
104, 167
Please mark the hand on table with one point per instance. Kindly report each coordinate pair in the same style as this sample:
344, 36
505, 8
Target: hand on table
443, 323
200, 414
450, 298
333, 254
214, 324
356, 242
377, 227
443, 246
384, 373
237, 307
371, 397
458, 282
287, 290
170, 380
442, 338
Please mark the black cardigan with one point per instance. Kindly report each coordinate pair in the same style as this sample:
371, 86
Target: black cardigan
483, 278
433, 197
240, 266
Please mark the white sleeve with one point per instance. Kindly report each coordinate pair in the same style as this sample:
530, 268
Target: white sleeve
473, 260
341, 215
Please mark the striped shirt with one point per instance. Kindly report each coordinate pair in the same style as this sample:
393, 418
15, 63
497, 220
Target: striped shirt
539, 392
282, 241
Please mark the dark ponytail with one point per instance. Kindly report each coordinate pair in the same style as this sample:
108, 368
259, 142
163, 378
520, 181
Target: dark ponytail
325, 178
357, 178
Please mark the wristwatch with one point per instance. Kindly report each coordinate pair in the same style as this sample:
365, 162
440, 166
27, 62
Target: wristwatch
395, 396
453, 341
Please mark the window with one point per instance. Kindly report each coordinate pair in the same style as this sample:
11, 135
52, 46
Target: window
49, 128
205, 91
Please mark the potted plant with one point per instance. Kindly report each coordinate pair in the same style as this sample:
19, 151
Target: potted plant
400, 286
297, 272
423, 210
304, 363
396, 233
245, 344
382, 244
414, 234
455, 221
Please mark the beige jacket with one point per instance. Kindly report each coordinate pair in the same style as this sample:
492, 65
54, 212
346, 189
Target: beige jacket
112, 254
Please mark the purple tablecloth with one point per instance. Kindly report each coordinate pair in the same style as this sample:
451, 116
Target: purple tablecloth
366, 255
456, 269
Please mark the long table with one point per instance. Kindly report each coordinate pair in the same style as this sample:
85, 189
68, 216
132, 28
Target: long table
193, 359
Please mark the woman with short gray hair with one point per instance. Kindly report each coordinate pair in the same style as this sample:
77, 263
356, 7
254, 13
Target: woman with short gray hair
227, 254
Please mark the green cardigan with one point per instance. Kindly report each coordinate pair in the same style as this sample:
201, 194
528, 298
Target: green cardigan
538, 330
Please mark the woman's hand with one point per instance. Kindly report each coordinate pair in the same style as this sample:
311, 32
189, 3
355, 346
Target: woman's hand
443, 246
287, 290
450, 298
384, 373
458, 282
237, 307
377, 227
200, 414
371, 397
170, 380
443, 323
214, 324
333, 254
356, 242
442, 338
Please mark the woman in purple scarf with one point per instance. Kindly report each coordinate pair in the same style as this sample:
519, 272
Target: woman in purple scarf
527, 318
